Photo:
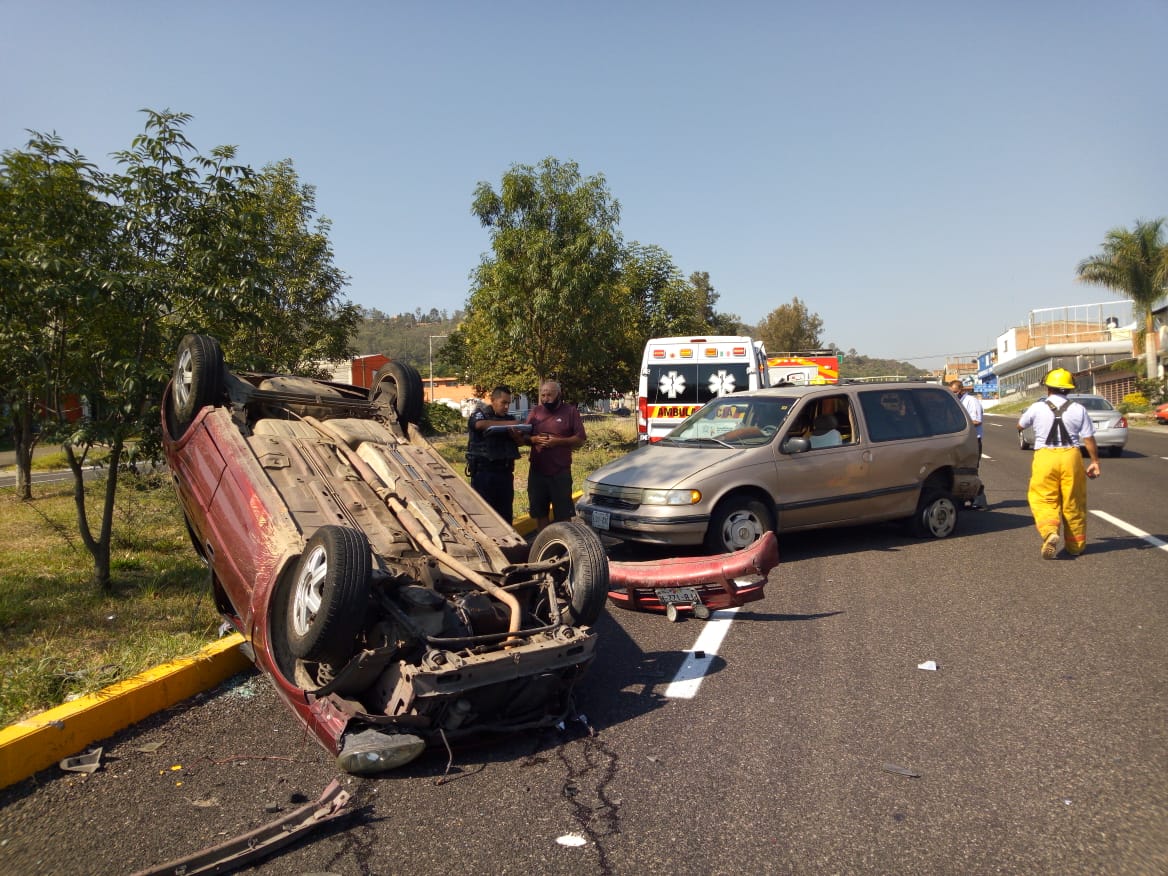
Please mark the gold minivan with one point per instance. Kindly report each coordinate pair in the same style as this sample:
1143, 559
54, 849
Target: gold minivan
791, 458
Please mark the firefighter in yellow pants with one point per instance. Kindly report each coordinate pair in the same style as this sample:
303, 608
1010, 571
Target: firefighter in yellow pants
1058, 481
1058, 493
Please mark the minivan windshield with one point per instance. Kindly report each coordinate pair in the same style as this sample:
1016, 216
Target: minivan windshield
733, 421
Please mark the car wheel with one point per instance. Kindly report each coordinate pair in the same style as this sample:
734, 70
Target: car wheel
1116, 450
327, 600
737, 523
1022, 442
582, 582
197, 380
400, 385
936, 515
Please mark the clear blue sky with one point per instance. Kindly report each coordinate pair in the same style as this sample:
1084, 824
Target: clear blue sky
921, 174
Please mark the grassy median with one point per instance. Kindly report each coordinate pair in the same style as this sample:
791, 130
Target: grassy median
63, 637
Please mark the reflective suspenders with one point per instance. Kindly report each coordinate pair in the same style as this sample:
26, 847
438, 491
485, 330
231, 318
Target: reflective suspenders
1058, 436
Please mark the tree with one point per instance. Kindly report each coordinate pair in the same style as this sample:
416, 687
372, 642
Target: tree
1133, 264
791, 328
54, 234
109, 271
716, 323
293, 317
667, 305
180, 261
547, 301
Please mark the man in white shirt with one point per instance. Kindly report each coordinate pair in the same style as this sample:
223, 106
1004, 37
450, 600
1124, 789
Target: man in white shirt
972, 405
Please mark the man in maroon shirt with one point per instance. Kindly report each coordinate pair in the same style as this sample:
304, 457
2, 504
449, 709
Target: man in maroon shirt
556, 428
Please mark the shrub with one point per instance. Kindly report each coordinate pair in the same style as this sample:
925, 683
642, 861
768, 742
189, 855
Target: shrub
440, 419
1134, 401
1156, 391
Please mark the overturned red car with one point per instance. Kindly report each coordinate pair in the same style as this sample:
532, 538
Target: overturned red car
391, 607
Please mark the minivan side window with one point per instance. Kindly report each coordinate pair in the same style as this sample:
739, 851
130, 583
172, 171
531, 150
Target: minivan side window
897, 414
942, 412
825, 422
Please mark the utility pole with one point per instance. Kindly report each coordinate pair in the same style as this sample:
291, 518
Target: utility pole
431, 362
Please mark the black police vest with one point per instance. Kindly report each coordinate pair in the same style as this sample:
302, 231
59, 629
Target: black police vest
490, 448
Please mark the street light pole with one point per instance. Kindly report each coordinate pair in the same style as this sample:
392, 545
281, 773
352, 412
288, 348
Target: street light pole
431, 362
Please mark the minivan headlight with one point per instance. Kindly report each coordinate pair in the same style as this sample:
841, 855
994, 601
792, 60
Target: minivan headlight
670, 497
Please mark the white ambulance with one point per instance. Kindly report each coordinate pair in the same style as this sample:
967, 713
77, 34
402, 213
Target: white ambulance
679, 375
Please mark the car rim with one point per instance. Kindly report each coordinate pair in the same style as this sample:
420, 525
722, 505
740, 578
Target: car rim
940, 517
186, 376
309, 589
741, 529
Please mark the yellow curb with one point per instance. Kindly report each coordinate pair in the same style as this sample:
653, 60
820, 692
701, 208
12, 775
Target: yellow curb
44, 739
525, 525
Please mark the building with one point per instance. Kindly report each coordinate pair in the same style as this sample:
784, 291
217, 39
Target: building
1092, 341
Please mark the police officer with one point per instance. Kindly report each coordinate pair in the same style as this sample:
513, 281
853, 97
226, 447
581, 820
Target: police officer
1058, 482
490, 458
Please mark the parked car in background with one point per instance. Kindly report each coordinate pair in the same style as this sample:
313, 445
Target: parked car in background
1162, 414
793, 458
1110, 424
389, 604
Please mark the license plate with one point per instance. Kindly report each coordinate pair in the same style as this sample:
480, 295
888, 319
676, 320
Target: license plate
677, 595
600, 519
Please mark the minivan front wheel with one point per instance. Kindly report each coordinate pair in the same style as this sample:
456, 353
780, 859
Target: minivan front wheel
936, 515
738, 523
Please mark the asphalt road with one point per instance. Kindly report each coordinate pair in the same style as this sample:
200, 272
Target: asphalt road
813, 743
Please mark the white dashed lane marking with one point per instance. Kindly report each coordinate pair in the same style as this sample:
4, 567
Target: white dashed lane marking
689, 677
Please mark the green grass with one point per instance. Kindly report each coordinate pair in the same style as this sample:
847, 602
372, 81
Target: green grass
63, 637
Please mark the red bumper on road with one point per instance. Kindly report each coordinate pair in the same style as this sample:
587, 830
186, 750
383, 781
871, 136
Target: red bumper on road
721, 581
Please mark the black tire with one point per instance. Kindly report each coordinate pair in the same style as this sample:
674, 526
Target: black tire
400, 385
737, 523
328, 596
936, 514
197, 380
582, 586
1114, 451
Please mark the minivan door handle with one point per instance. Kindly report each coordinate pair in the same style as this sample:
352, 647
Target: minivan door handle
866, 456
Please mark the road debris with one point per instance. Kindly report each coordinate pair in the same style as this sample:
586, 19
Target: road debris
258, 843
90, 762
901, 771
930, 665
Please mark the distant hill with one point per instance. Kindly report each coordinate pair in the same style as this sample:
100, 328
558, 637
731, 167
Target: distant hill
853, 365
407, 337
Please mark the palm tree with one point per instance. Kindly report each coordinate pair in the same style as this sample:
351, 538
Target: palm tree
1133, 264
